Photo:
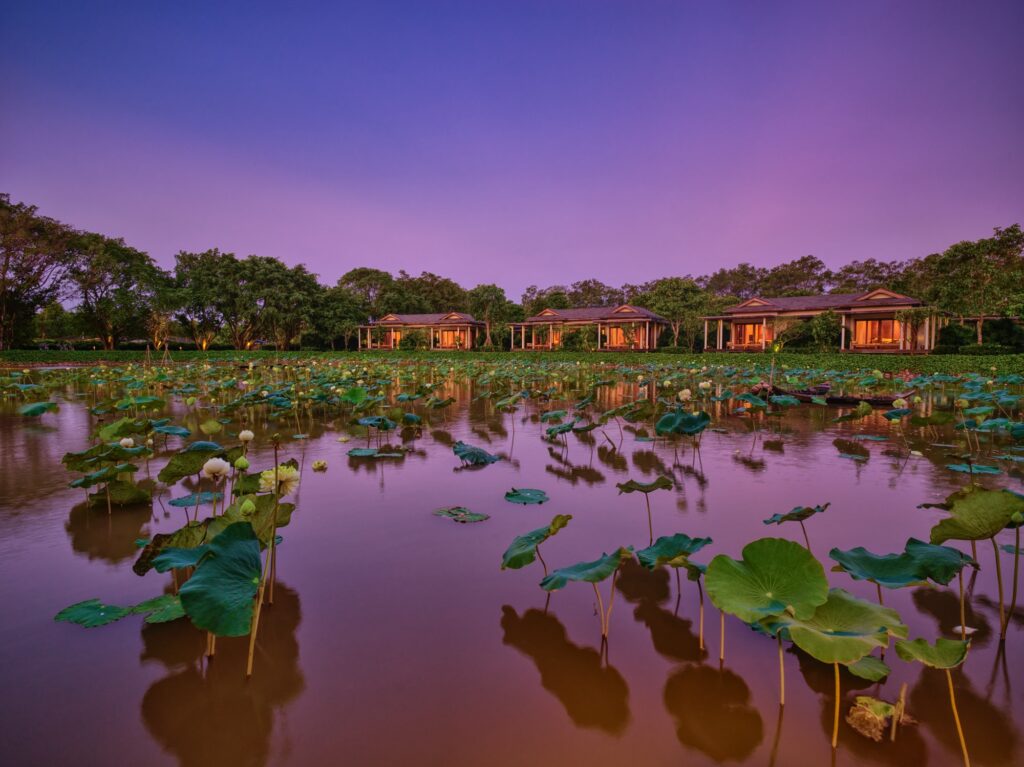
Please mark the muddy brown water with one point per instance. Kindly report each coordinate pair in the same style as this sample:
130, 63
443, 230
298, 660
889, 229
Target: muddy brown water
395, 638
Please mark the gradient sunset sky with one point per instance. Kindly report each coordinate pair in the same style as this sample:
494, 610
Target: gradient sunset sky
519, 142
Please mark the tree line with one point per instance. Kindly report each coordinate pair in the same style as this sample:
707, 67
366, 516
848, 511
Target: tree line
59, 282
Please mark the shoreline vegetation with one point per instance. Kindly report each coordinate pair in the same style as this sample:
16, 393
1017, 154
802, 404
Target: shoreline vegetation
1001, 364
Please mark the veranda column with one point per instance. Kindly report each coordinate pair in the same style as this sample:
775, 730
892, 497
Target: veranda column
599, 336
705, 335
721, 334
842, 333
533, 337
764, 330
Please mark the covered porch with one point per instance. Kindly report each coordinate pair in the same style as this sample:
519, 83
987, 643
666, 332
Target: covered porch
611, 335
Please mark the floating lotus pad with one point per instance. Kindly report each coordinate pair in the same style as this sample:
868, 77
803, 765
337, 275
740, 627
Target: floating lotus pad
461, 514
526, 496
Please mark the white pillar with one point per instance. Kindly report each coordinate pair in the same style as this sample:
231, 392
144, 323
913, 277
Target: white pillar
599, 336
705, 335
721, 334
764, 330
842, 334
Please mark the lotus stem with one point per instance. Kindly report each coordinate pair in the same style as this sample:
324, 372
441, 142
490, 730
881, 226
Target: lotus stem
879, 587
835, 719
611, 604
999, 581
721, 637
600, 609
106, 487
806, 539
782, 674
956, 718
963, 608
650, 524
1016, 573
700, 592
897, 716
542, 562
253, 629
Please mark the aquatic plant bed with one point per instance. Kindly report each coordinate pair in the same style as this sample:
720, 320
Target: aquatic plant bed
283, 558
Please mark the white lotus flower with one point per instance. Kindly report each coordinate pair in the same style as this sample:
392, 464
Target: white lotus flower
246, 436
287, 480
127, 443
685, 395
216, 469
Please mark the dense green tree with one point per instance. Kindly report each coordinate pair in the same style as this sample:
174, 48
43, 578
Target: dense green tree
291, 297
867, 275
196, 277
803, 276
34, 261
593, 293
741, 282
433, 293
536, 299
490, 304
337, 316
54, 321
369, 285
116, 287
681, 301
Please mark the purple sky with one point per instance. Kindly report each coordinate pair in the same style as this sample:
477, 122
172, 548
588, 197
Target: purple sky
519, 142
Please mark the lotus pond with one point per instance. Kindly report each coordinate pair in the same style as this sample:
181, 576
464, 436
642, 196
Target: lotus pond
466, 562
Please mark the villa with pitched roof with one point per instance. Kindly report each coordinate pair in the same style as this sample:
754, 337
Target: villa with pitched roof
446, 330
868, 320
619, 328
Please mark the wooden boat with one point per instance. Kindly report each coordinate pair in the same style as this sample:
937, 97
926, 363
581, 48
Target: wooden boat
806, 395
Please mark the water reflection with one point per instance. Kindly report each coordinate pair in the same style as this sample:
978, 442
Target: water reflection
593, 692
944, 606
213, 715
990, 734
712, 712
109, 537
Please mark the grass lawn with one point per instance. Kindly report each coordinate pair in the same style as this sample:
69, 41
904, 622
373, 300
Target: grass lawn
949, 363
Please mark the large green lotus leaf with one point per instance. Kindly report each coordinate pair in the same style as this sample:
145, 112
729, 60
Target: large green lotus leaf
590, 572
523, 549
526, 496
977, 468
187, 463
945, 653
842, 630
679, 422
671, 550
473, 456
552, 415
162, 609
797, 514
203, 446
255, 509
92, 613
869, 667
564, 428
106, 474
382, 423
123, 427
36, 409
632, 486
173, 558
172, 431
918, 563
219, 597
461, 514
190, 501
774, 576
976, 513
121, 494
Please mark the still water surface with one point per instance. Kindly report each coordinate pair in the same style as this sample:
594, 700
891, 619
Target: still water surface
395, 638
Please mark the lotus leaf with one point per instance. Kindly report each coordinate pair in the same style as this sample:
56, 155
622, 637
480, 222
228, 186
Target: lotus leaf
975, 514
870, 668
590, 572
461, 514
796, 514
671, 550
918, 563
523, 549
473, 456
632, 486
774, 576
842, 630
526, 496
945, 653
219, 597
193, 499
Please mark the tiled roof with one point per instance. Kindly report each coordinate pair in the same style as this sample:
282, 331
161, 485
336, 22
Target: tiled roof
438, 318
821, 303
595, 313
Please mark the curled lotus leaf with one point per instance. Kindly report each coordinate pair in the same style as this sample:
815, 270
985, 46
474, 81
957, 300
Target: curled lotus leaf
523, 549
219, 597
552, 415
36, 409
973, 468
680, 422
121, 493
379, 422
945, 653
473, 456
870, 668
672, 550
188, 462
589, 572
976, 513
918, 563
205, 498
842, 630
461, 514
796, 514
632, 486
526, 496
171, 430
774, 576
106, 474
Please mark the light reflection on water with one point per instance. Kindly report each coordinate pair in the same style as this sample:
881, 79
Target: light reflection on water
394, 636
